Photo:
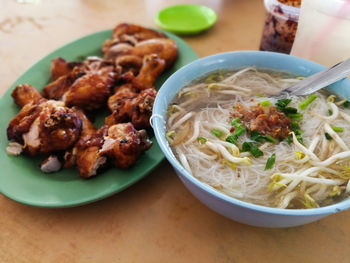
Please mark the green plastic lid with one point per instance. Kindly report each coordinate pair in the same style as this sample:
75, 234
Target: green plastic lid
185, 19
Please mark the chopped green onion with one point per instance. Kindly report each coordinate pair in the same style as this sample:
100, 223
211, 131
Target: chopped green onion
298, 132
299, 138
330, 112
270, 162
294, 125
328, 137
239, 131
270, 139
346, 104
289, 110
265, 103
289, 139
255, 151
258, 94
216, 132
281, 104
257, 136
295, 116
202, 140
306, 102
232, 139
249, 147
236, 123
337, 129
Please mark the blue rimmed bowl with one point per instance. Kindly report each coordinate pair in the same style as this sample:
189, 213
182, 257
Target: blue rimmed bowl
237, 210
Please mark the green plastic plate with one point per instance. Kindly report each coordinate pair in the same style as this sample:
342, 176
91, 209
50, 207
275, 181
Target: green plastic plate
186, 19
21, 178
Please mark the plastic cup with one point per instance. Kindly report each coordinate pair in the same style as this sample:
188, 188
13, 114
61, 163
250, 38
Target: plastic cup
324, 31
280, 26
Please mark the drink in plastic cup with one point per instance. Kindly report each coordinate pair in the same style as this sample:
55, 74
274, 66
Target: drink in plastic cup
323, 33
280, 25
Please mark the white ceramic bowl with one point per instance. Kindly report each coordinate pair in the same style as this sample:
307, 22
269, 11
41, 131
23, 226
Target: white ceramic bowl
237, 210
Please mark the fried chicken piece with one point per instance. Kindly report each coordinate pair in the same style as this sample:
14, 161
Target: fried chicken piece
152, 67
92, 90
87, 85
165, 48
45, 128
121, 143
85, 153
139, 33
22, 122
113, 50
88, 158
125, 36
127, 105
129, 39
87, 130
60, 67
124, 144
57, 88
42, 126
24, 94
124, 94
129, 63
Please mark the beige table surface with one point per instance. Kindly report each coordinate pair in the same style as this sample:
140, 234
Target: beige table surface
157, 219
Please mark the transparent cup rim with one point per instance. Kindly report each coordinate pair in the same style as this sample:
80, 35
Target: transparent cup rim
289, 12
333, 8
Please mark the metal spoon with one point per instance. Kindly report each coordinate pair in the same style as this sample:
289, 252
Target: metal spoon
321, 79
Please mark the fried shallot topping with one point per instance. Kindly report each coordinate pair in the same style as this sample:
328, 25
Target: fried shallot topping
266, 120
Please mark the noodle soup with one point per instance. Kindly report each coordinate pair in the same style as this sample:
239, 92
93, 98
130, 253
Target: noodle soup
229, 131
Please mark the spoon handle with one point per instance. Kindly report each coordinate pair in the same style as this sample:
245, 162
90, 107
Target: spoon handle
321, 79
